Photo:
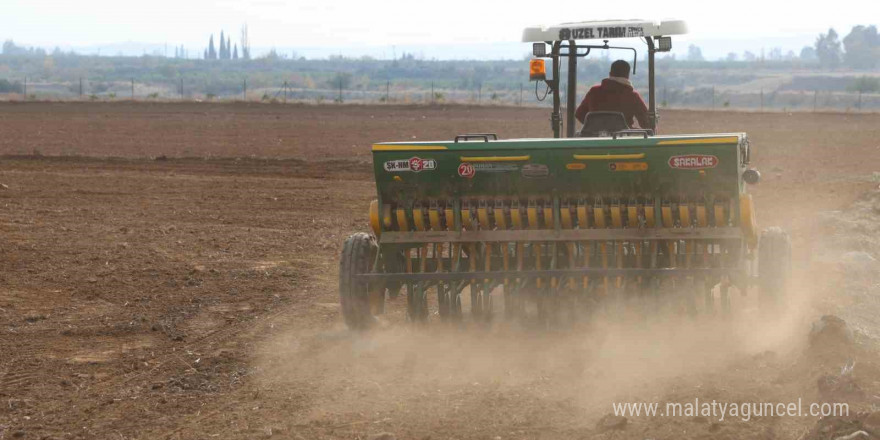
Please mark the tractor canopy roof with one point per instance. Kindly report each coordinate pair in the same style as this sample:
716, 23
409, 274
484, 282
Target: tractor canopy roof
604, 30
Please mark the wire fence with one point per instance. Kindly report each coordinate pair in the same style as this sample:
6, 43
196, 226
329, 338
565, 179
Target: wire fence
390, 92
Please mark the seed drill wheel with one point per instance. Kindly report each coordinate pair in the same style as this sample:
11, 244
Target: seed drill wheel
774, 265
355, 297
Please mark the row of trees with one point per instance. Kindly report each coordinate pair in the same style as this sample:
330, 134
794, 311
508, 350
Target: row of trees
225, 54
774, 54
228, 51
861, 48
180, 52
10, 48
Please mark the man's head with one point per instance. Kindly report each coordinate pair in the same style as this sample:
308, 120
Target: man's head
620, 69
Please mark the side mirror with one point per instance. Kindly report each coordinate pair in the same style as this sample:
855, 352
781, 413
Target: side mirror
537, 70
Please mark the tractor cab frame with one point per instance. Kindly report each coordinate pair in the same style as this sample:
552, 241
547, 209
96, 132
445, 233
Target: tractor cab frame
563, 42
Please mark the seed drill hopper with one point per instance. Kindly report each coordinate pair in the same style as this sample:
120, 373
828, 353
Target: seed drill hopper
554, 227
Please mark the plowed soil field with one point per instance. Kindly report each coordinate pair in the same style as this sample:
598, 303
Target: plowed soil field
169, 271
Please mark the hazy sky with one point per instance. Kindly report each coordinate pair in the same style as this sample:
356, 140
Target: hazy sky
361, 24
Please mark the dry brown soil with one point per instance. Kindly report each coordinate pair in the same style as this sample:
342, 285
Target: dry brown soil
168, 271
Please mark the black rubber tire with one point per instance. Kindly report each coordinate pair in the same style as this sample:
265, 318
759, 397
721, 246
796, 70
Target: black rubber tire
774, 265
358, 254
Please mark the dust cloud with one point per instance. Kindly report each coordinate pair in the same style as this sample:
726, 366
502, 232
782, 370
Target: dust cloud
439, 369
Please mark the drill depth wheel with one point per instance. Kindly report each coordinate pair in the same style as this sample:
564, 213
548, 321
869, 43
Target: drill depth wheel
355, 297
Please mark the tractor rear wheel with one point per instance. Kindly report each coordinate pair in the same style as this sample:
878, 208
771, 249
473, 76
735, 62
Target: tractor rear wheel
358, 254
774, 265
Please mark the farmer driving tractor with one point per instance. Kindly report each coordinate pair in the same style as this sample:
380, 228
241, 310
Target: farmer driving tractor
615, 94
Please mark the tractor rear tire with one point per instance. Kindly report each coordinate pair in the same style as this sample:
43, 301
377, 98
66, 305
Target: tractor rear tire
358, 254
774, 266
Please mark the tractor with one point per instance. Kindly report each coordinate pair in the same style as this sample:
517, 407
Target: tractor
549, 228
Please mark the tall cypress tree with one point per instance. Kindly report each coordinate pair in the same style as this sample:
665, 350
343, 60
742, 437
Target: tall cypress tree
222, 46
228, 48
245, 43
212, 53
235, 52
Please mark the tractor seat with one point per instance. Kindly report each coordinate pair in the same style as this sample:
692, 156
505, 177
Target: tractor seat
599, 124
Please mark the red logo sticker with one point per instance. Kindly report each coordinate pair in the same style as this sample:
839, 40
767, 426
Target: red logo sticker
693, 161
414, 164
466, 170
